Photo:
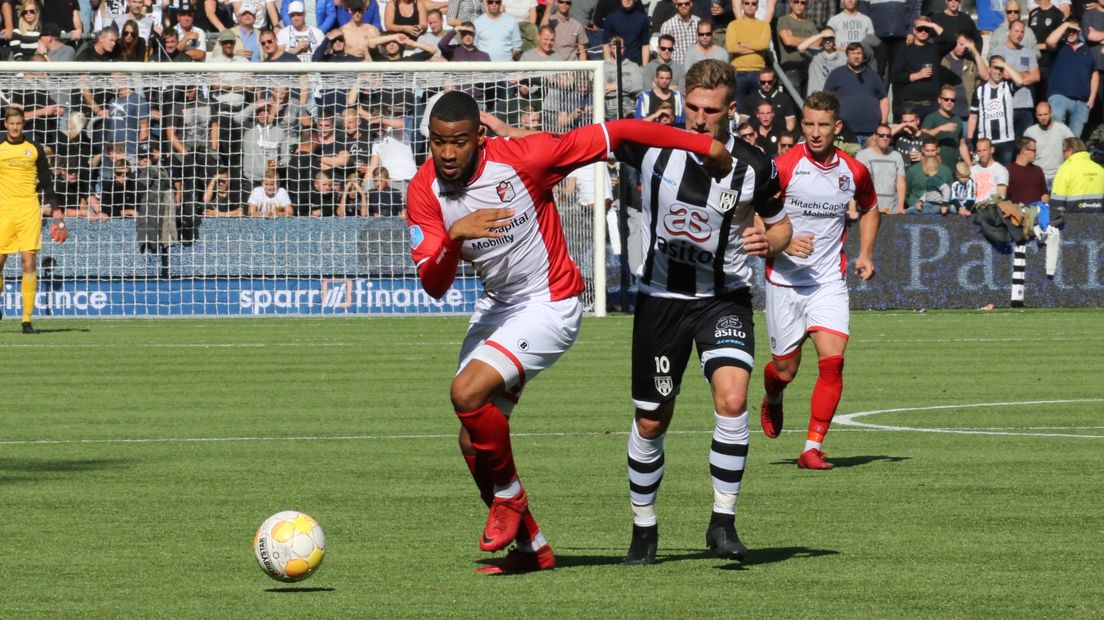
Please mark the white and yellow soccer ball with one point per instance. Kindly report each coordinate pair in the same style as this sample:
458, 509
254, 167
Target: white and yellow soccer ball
289, 546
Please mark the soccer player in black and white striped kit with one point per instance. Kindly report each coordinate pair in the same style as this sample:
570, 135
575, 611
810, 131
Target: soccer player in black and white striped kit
695, 288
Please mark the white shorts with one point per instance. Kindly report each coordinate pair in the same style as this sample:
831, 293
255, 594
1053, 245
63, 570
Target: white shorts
794, 312
520, 340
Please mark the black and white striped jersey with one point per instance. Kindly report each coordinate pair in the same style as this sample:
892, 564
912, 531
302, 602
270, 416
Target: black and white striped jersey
692, 225
994, 108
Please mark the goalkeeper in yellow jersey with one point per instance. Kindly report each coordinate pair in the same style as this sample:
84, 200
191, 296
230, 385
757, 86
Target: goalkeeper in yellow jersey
23, 172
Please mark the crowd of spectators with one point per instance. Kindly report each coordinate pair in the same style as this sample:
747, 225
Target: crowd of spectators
948, 105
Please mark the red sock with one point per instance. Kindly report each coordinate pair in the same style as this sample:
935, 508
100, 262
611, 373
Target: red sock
772, 382
481, 474
826, 396
482, 478
490, 436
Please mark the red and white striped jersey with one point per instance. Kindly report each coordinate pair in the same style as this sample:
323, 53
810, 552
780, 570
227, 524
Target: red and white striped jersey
530, 262
815, 197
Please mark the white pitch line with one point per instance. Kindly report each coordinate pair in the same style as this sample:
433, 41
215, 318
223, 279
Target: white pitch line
849, 419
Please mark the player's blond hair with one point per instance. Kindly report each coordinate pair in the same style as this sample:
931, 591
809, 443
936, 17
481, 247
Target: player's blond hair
822, 101
710, 74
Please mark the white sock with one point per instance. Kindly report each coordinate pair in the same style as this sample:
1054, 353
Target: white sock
510, 490
811, 445
727, 458
646, 466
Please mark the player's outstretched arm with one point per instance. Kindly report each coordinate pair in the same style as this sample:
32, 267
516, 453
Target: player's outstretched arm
868, 231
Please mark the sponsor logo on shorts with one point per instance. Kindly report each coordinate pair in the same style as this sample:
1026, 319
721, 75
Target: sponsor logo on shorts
664, 384
523, 345
730, 330
505, 191
729, 198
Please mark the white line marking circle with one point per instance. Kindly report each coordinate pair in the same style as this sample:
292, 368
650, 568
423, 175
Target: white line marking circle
850, 419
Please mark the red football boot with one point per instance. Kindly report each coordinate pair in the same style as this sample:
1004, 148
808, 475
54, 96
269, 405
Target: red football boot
770, 416
517, 561
813, 459
503, 521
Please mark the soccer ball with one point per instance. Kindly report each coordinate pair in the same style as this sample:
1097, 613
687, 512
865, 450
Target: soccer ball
289, 546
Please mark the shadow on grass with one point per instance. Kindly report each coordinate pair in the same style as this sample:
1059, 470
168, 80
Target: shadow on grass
53, 330
297, 590
852, 461
755, 556
773, 555
32, 470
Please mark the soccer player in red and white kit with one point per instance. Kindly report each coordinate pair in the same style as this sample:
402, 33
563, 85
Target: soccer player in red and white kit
806, 285
489, 201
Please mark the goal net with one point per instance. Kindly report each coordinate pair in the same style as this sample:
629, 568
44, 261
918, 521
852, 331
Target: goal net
200, 189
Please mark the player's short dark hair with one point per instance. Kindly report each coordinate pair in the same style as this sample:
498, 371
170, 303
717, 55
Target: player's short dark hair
711, 73
667, 37
1023, 143
455, 106
855, 45
929, 140
664, 68
12, 111
822, 101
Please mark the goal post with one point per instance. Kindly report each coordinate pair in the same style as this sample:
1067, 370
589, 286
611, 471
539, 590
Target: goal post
225, 189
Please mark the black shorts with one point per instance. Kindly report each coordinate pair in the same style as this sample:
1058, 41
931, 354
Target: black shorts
664, 329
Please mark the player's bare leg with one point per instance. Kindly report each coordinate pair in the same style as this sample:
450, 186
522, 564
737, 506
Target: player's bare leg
777, 374
727, 457
826, 396
646, 466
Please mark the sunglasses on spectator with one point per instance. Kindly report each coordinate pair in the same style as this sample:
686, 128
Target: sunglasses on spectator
884, 135
268, 42
1012, 12
747, 135
946, 98
705, 34
666, 49
564, 2
490, 2
799, 2
766, 82
682, 4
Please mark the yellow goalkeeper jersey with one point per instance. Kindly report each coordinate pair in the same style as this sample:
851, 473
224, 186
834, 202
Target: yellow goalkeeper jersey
23, 171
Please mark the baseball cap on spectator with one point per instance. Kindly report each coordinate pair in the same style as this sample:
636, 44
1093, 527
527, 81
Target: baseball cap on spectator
296, 7
143, 150
227, 36
186, 8
49, 30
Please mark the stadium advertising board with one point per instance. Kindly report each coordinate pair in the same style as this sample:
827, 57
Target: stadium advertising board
241, 297
935, 262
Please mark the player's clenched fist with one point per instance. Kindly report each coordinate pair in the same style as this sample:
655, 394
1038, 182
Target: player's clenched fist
482, 224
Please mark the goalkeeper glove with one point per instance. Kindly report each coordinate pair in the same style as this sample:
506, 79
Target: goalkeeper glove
58, 232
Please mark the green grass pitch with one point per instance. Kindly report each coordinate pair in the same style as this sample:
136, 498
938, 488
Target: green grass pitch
138, 457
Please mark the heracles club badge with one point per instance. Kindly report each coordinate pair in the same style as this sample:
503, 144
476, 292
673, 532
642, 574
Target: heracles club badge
664, 384
729, 198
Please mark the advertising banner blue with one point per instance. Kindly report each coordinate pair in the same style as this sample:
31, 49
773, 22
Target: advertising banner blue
240, 297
